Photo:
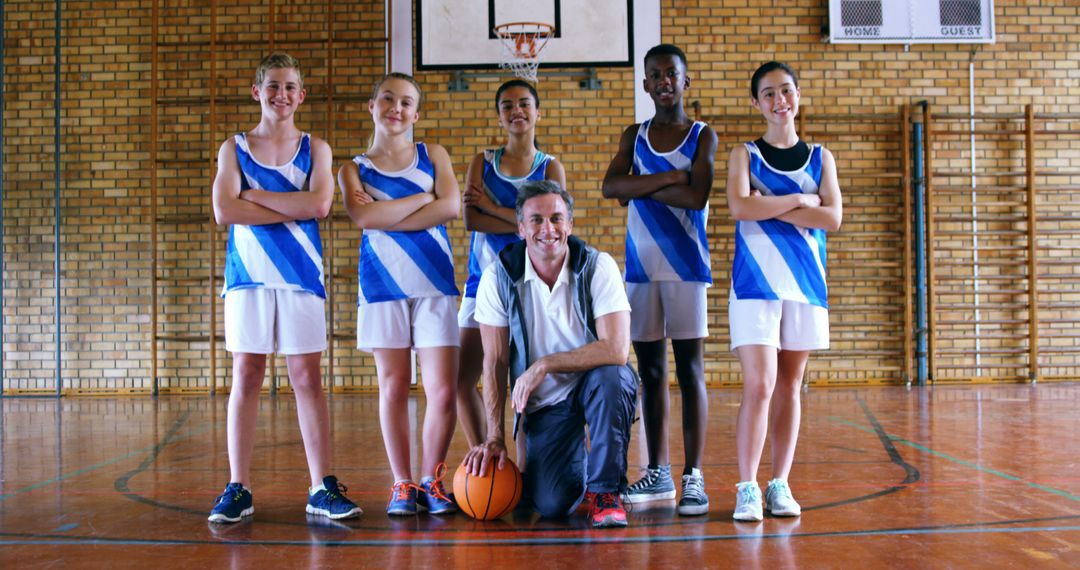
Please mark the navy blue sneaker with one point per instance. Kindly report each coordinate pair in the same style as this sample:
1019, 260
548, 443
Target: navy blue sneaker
432, 496
330, 501
233, 505
402, 499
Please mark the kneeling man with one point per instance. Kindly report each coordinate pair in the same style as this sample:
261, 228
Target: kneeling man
554, 314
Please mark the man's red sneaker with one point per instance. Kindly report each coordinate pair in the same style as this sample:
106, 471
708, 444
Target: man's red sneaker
607, 511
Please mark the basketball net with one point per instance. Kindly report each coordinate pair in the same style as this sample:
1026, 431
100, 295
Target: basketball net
522, 44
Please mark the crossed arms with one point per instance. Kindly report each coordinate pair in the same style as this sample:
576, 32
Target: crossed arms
676, 188
481, 213
412, 213
256, 207
823, 210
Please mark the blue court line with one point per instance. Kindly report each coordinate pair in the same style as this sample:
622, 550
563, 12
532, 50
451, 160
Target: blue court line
84, 470
963, 462
59, 541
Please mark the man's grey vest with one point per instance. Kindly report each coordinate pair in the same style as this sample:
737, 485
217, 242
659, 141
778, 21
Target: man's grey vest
510, 272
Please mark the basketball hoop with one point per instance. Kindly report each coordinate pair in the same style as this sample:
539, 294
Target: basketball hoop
522, 43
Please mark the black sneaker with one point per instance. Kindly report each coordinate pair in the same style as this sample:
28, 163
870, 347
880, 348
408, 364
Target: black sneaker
694, 501
655, 485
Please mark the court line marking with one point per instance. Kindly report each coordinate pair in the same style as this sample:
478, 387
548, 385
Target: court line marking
96, 466
963, 462
538, 541
911, 474
170, 438
121, 483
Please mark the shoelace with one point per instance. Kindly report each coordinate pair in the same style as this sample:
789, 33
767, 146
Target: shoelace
650, 478
780, 490
337, 492
401, 490
695, 486
228, 493
590, 502
750, 494
436, 483
604, 501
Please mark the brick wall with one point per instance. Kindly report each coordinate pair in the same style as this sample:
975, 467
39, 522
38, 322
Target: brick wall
851, 97
29, 131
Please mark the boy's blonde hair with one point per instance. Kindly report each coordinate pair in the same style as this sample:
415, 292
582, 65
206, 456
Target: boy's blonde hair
278, 61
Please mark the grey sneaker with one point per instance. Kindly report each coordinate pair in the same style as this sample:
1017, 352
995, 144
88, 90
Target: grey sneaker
778, 500
694, 501
748, 502
656, 485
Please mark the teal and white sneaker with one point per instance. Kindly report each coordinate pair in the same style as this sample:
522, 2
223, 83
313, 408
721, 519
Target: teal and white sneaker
748, 502
778, 500
655, 485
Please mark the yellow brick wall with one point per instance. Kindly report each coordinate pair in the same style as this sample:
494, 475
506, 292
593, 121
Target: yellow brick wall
851, 98
28, 203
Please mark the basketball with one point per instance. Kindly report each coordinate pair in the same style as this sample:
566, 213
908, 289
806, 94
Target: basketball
491, 496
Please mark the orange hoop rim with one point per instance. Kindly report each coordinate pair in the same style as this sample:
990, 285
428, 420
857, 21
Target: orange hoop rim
545, 29
522, 42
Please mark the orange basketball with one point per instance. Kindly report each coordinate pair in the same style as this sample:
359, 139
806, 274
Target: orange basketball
491, 496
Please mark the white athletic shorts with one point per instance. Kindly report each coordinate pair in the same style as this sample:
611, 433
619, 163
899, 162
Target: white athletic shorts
265, 321
466, 315
786, 325
424, 322
667, 309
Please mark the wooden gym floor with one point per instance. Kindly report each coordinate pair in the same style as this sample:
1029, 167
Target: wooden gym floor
947, 477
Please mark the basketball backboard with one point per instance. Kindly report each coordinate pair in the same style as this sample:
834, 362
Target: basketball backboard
457, 34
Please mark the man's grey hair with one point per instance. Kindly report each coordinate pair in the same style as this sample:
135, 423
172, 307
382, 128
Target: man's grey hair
536, 188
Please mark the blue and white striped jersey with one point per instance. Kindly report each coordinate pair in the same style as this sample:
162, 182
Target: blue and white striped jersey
503, 190
665, 243
776, 260
275, 256
403, 264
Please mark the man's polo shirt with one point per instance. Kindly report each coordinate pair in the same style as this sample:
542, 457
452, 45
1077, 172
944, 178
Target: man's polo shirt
553, 325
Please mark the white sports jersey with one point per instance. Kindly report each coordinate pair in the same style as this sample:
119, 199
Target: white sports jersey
503, 190
403, 265
775, 260
665, 243
285, 255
